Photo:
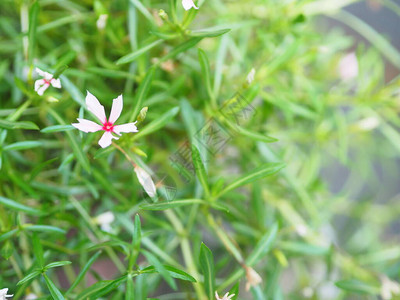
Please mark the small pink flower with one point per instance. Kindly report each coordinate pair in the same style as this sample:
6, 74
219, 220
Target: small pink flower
42, 84
188, 4
94, 106
225, 297
3, 294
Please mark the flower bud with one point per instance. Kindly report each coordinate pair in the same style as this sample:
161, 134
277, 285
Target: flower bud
146, 181
142, 114
252, 277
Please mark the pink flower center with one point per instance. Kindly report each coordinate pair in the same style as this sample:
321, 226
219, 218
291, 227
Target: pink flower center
108, 126
48, 81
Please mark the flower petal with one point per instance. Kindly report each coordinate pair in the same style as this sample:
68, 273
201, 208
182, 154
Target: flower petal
44, 74
38, 84
146, 181
188, 4
94, 106
116, 109
42, 89
105, 218
128, 127
3, 294
56, 83
87, 126
106, 139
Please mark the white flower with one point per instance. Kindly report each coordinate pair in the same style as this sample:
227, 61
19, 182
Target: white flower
3, 294
307, 292
301, 230
42, 84
250, 76
31, 296
102, 21
94, 106
348, 66
188, 4
225, 297
389, 288
104, 220
146, 181
368, 123
252, 277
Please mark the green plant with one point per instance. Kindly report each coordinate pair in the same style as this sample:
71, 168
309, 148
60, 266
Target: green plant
244, 162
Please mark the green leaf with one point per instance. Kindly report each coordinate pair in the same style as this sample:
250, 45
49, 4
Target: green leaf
234, 290
255, 135
54, 291
207, 266
22, 86
20, 207
63, 62
179, 49
18, 125
356, 286
22, 183
143, 9
200, 170
79, 154
38, 250
303, 248
111, 73
23, 145
260, 172
171, 204
57, 128
136, 239
33, 20
110, 244
29, 277
174, 272
137, 234
45, 228
8, 235
209, 33
133, 55
76, 148
158, 123
160, 268
172, 9
100, 288
205, 69
142, 93
101, 179
57, 264
7, 250
39, 167
59, 71
263, 246
83, 272
164, 35
75, 93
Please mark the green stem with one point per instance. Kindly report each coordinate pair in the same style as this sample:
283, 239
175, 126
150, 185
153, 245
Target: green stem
225, 239
187, 252
99, 236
